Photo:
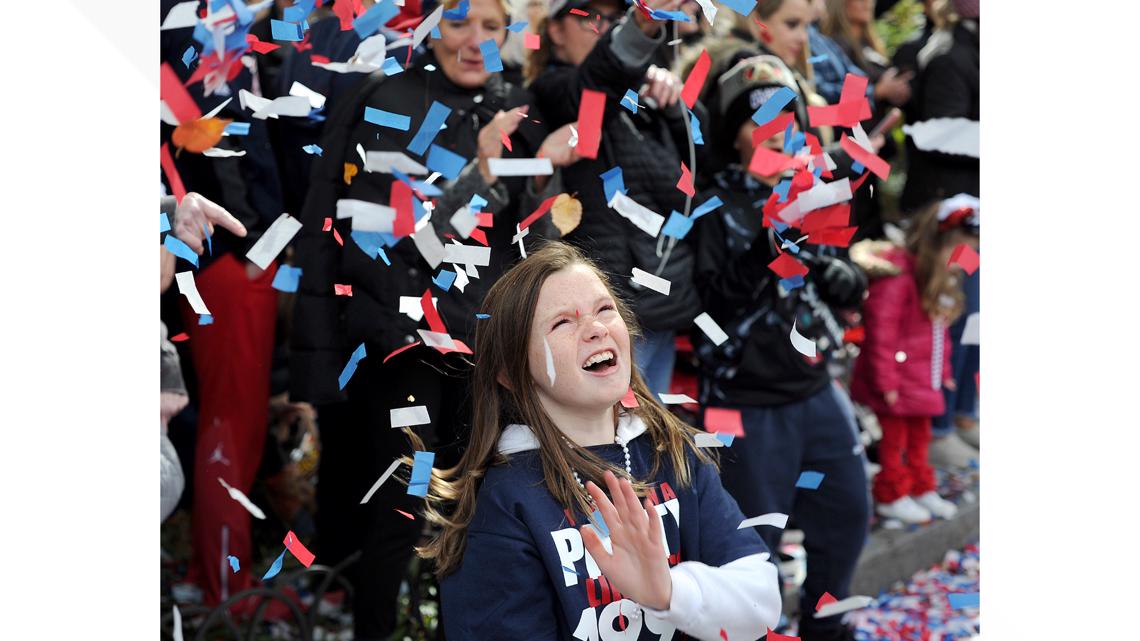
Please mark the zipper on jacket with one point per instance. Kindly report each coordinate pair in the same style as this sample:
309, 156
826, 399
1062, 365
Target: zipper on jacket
937, 354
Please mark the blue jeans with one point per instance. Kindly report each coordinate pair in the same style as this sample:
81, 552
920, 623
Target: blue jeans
655, 353
964, 361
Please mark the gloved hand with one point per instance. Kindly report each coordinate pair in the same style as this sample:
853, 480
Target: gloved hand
841, 283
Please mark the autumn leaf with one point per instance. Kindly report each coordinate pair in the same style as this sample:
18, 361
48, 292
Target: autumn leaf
349, 171
566, 213
199, 135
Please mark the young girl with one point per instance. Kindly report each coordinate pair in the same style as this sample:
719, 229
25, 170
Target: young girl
905, 360
531, 545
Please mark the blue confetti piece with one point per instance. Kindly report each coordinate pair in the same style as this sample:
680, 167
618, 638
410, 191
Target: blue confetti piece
448, 163
677, 226
368, 22
477, 203
613, 182
387, 119
782, 189
482, 316
629, 100
792, 282
459, 12
517, 27
437, 114
180, 249
773, 106
661, 14
391, 66
163, 223
209, 241
695, 125
707, 206
814, 60
286, 31
816, 173
312, 149
725, 437
599, 522
296, 13
788, 138
743, 7
780, 226
435, 34
444, 279
857, 167
809, 480
959, 600
491, 60
350, 367
570, 569
383, 256
421, 473
189, 55
275, 568
235, 565
798, 141
205, 319
287, 278
237, 129
369, 242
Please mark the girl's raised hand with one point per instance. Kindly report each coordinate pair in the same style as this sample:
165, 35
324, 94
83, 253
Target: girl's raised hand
638, 567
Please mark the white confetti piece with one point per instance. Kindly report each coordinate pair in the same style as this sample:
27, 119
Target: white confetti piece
705, 439
464, 222
656, 283
710, 328
846, 605
467, 254
709, 9
316, 100
948, 135
412, 306
187, 288
273, 240
365, 215
824, 195
385, 161
644, 218
237, 495
675, 399
803, 345
177, 619
425, 26
218, 152
520, 166
181, 16
550, 373
429, 245
775, 519
409, 416
972, 332
380, 481
437, 339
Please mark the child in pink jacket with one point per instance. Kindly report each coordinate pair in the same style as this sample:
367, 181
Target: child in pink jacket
913, 298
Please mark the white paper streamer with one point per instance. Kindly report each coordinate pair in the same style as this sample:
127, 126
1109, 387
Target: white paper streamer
237, 495
520, 166
656, 283
644, 218
774, 519
948, 135
380, 481
803, 345
409, 416
187, 288
675, 399
710, 328
273, 240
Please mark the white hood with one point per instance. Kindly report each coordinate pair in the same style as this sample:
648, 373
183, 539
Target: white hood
520, 438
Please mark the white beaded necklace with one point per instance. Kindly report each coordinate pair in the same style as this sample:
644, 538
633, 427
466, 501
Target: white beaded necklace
628, 465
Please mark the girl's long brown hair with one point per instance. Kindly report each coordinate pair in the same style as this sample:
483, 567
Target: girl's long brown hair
939, 290
502, 352
836, 26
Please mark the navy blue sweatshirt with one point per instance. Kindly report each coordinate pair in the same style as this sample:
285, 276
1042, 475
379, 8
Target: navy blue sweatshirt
525, 573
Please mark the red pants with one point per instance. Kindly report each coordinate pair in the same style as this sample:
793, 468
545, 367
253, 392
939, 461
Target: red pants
232, 359
909, 435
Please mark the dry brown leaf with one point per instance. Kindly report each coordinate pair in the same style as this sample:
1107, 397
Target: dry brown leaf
199, 135
566, 213
349, 171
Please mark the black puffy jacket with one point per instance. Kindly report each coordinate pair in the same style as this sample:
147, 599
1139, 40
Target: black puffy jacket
649, 147
328, 327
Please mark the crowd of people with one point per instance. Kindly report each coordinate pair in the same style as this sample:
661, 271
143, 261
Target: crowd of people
509, 226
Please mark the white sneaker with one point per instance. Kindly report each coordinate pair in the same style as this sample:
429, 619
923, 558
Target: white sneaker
905, 510
937, 505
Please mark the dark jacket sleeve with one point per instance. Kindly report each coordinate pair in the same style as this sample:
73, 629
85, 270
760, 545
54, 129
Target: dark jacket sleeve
946, 93
727, 283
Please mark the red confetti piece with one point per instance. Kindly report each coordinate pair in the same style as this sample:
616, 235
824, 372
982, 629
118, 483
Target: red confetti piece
260, 46
343, 10
486, 219
435, 323
298, 549
776, 636
833, 237
771, 128
327, 225
540, 212
506, 140
877, 165
966, 257
590, 112
531, 41
174, 94
696, 79
178, 338
579, 12
339, 240
685, 184
723, 634
629, 401
723, 419
171, 172
766, 162
830, 217
479, 236
342, 290
406, 514
786, 266
398, 350
824, 600
401, 201
854, 334
317, 58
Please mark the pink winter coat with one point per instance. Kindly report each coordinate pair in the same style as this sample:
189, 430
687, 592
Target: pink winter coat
904, 349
